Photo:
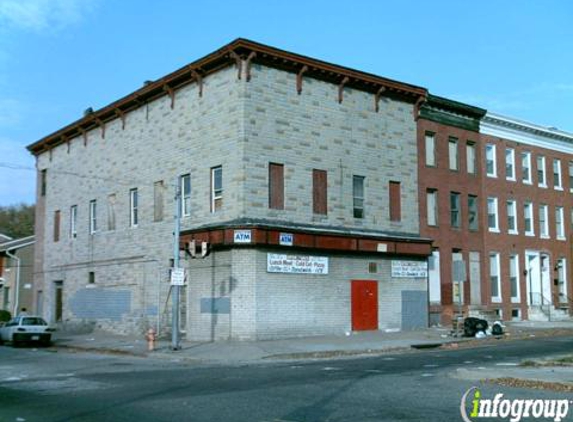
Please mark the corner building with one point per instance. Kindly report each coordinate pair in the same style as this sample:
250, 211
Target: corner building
300, 174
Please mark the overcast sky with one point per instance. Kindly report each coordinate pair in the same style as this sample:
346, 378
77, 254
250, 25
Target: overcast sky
58, 57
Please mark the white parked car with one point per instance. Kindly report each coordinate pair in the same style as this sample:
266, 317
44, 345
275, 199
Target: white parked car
27, 328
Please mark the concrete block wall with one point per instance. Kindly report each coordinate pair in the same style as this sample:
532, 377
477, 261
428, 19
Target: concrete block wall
272, 305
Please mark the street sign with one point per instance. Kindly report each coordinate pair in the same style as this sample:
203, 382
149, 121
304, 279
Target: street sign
177, 276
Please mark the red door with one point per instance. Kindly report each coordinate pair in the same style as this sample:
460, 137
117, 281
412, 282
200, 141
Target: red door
364, 305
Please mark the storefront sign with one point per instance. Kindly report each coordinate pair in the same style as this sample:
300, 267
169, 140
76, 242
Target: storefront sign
242, 236
297, 264
409, 269
286, 239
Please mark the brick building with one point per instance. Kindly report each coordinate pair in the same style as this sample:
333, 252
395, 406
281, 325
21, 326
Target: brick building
494, 196
302, 176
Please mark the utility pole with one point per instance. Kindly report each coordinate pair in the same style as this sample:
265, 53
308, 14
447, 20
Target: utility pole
175, 297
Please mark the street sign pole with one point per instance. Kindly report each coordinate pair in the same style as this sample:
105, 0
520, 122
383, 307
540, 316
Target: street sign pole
175, 298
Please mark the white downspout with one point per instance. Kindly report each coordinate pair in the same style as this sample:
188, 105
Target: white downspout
17, 292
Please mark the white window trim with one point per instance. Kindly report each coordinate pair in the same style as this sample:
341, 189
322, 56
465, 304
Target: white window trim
532, 214
545, 226
496, 228
454, 156
530, 180
184, 194
93, 216
214, 197
560, 178
494, 159
560, 236
132, 208
73, 221
512, 161
544, 168
514, 207
515, 299
570, 174
496, 299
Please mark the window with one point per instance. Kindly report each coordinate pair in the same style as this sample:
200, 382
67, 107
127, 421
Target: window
471, 157
57, 226
91, 277
541, 178
430, 150
510, 164
557, 184
276, 186
528, 219
133, 207
319, 191
559, 226
543, 223
185, 184
93, 216
514, 278
494, 277
490, 160
571, 176
455, 212
73, 221
453, 153
358, 196
159, 200
526, 167
395, 201
43, 182
511, 207
492, 216
216, 188
432, 207
111, 200
473, 222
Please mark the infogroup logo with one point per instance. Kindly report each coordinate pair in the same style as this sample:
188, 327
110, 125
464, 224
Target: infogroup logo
513, 409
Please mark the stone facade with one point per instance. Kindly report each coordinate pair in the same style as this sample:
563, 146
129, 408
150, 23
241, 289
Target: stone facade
117, 276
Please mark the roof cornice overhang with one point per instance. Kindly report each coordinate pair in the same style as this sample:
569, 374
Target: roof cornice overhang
452, 113
527, 133
227, 55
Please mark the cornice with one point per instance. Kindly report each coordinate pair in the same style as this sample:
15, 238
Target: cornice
241, 53
527, 133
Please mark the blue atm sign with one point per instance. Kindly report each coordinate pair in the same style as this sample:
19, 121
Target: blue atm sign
286, 239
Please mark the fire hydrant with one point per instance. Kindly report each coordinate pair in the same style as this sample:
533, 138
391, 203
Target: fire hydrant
150, 337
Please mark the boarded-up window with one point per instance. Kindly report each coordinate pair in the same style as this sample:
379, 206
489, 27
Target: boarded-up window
43, 178
56, 226
319, 191
276, 186
395, 201
158, 201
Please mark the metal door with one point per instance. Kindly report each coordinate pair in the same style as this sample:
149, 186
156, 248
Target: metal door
364, 305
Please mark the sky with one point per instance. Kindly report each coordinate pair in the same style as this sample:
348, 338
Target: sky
59, 57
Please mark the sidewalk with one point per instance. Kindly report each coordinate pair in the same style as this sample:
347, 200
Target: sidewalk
244, 352
303, 348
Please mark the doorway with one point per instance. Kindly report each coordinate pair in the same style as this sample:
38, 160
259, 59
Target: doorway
364, 298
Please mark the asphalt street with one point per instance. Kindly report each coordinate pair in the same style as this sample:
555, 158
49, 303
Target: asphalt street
43, 385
